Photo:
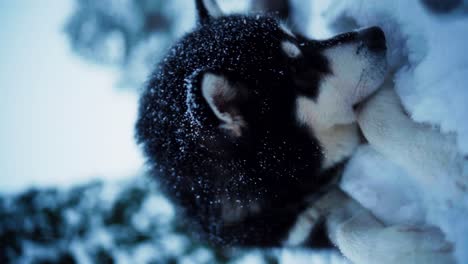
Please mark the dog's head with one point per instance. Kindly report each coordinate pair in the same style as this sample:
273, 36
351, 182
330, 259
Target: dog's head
242, 118
328, 77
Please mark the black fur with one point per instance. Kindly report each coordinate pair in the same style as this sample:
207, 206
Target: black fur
262, 177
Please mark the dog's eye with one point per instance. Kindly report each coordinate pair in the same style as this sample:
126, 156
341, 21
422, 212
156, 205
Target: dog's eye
306, 82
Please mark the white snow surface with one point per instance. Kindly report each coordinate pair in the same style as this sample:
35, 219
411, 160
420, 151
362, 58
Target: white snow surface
427, 54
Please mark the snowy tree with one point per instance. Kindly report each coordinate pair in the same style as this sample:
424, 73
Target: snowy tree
132, 35
122, 222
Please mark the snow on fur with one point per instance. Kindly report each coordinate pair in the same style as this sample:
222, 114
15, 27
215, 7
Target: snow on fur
427, 53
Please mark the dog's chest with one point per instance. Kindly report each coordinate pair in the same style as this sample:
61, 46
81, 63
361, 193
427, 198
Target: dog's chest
370, 179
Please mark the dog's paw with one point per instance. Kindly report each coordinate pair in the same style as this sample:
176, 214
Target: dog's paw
365, 243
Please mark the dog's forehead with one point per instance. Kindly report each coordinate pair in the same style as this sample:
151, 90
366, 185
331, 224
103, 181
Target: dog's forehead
247, 47
246, 27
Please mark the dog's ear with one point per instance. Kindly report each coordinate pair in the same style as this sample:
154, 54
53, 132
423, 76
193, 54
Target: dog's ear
224, 100
207, 9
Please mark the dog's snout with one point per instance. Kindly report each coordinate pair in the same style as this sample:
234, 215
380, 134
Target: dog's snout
374, 38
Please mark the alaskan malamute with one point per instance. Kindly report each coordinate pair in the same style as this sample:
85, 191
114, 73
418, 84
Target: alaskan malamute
243, 121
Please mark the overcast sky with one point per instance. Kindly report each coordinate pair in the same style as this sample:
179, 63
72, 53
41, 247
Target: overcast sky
61, 120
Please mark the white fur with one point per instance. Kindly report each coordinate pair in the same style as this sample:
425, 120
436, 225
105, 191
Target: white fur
331, 107
364, 240
213, 8
355, 74
213, 86
291, 49
286, 30
217, 87
305, 223
424, 152
337, 141
426, 155
354, 77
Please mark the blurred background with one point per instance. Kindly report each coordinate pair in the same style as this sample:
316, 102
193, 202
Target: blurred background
73, 187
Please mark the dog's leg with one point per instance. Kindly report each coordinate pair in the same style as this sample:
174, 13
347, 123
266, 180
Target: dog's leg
422, 151
365, 240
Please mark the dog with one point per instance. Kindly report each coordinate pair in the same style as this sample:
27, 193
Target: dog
243, 121
432, 169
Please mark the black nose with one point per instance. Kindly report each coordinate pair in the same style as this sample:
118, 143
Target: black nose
374, 38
